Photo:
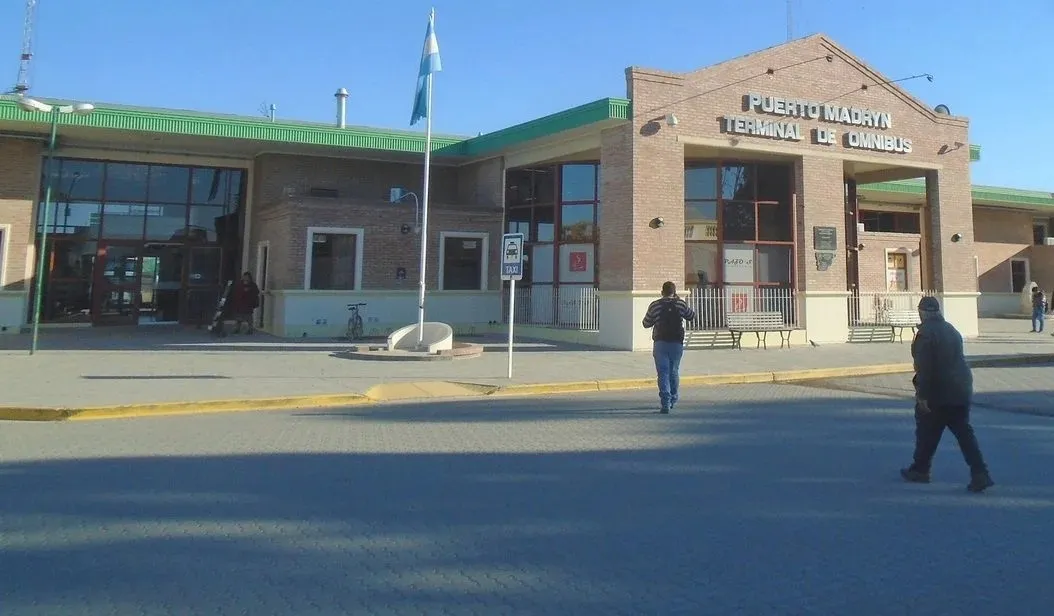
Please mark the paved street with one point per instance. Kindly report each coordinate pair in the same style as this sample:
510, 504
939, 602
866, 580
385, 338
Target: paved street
749, 500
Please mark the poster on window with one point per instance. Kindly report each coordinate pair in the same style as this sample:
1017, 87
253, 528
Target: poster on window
739, 263
576, 263
739, 298
896, 271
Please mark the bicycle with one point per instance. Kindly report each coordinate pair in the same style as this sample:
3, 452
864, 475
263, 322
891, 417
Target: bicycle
354, 331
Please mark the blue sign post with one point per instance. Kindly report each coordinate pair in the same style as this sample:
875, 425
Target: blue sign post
512, 270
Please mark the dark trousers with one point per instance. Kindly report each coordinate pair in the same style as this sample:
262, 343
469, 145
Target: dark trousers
929, 427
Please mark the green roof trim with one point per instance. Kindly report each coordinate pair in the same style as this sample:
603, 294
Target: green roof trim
220, 126
989, 194
570, 119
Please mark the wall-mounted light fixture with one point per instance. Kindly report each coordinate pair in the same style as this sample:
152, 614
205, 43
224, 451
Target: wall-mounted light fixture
657, 222
957, 237
671, 120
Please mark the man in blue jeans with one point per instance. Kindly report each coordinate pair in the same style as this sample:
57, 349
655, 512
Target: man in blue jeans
666, 317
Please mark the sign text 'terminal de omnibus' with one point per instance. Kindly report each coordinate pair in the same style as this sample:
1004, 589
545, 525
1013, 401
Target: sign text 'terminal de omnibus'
857, 138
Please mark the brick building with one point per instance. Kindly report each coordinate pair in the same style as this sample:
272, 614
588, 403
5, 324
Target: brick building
796, 180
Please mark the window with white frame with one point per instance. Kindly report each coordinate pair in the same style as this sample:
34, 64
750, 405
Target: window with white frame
334, 259
463, 261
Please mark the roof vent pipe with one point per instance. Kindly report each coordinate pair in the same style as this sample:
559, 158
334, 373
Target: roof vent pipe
342, 107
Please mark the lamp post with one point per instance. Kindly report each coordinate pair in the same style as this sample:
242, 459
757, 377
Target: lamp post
55, 111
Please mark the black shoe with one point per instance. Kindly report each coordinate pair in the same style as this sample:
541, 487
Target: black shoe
980, 483
664, 410
913, 476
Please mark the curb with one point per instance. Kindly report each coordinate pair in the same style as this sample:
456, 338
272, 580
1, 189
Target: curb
450, 390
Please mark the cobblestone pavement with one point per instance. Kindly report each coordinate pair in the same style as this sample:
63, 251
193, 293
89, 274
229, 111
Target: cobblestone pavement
747, 500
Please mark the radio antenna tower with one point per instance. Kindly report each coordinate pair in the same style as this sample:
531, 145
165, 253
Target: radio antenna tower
22, 83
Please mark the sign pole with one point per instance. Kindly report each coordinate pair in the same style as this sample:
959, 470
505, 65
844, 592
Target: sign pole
512, 318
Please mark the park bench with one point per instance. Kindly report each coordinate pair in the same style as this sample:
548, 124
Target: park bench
899, 320
759, 324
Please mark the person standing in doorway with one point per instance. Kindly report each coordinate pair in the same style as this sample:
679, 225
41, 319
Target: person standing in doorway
1039, 309
245, 298
665, 318
943, 394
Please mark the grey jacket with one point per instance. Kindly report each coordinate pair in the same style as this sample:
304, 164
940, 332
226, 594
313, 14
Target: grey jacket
942, 376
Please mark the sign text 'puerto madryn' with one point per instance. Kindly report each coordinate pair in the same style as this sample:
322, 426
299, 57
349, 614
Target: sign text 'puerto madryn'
796, 108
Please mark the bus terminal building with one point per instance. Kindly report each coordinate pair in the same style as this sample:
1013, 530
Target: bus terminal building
795, 180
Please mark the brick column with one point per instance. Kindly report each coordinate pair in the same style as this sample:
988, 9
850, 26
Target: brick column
21, 165
949, 264
820, 186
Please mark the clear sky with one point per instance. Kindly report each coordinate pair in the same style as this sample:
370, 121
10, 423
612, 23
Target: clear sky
507, 62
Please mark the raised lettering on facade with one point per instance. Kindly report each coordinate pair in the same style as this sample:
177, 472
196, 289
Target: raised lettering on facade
820, 112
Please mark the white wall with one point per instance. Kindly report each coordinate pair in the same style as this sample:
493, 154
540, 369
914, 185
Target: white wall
12, 311
325, 314
999, 304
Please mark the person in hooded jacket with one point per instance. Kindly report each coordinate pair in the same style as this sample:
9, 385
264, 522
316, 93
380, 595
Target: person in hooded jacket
943, 394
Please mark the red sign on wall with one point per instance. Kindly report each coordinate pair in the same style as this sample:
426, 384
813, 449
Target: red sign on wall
579, 261
739, 302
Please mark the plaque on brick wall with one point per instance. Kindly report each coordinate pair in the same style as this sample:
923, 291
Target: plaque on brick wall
824, 260
825, 238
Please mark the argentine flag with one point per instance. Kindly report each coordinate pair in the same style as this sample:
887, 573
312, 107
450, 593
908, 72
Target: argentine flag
430, 63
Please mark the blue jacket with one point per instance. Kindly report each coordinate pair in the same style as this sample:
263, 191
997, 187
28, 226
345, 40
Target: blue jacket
942, 376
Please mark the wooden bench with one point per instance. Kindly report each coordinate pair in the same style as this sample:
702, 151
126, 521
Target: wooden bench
760, 324
899, 320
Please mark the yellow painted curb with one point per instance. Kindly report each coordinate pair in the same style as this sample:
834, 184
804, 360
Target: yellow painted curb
789, 376
201, 407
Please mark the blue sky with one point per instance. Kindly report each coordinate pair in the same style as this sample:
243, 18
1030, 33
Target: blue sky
507, 62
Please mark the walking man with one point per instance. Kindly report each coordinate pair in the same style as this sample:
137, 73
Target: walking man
1039, 309
943, 393
666, 317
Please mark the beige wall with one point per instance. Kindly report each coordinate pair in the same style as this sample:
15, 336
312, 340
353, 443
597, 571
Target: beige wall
467, 200
1001, 236
20, 171
654, 171
873, 259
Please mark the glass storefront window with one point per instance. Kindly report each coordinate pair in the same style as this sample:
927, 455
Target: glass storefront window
774, 264
204, 221
123, 221
578, 183
700, 264
738, 222
518, 220
545, 223
737, 183
169, 184
774, 183
80, 180
166, 223
775, 222
576, 223
700, 182
73, 219
126, 182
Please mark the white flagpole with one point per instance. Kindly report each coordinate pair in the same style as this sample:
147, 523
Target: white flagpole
424, 214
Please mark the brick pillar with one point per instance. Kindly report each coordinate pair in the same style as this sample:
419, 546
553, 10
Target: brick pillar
949, 264
820, 186
616, 210
21, 166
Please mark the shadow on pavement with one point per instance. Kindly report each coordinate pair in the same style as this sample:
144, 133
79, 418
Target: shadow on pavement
759, 506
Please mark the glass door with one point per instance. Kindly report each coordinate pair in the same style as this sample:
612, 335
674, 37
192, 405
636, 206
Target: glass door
119, 271
161, 283
204, 283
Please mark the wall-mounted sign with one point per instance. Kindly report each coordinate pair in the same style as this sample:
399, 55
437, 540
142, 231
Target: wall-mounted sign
795, 108
578, 261
825, 238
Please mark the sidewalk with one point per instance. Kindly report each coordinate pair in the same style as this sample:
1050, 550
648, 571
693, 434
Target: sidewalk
106, 367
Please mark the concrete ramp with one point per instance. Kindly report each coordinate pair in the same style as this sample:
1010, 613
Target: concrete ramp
437, 337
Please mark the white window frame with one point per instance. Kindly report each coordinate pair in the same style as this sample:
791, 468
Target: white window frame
484, 270
5, 243
360, 235
1028, 273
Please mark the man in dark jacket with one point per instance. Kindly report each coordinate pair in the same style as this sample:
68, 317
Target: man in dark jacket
666, 317
943, 393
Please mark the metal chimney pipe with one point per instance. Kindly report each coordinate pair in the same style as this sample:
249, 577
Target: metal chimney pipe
342, 107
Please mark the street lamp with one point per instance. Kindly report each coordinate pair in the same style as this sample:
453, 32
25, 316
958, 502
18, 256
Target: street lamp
55, 111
